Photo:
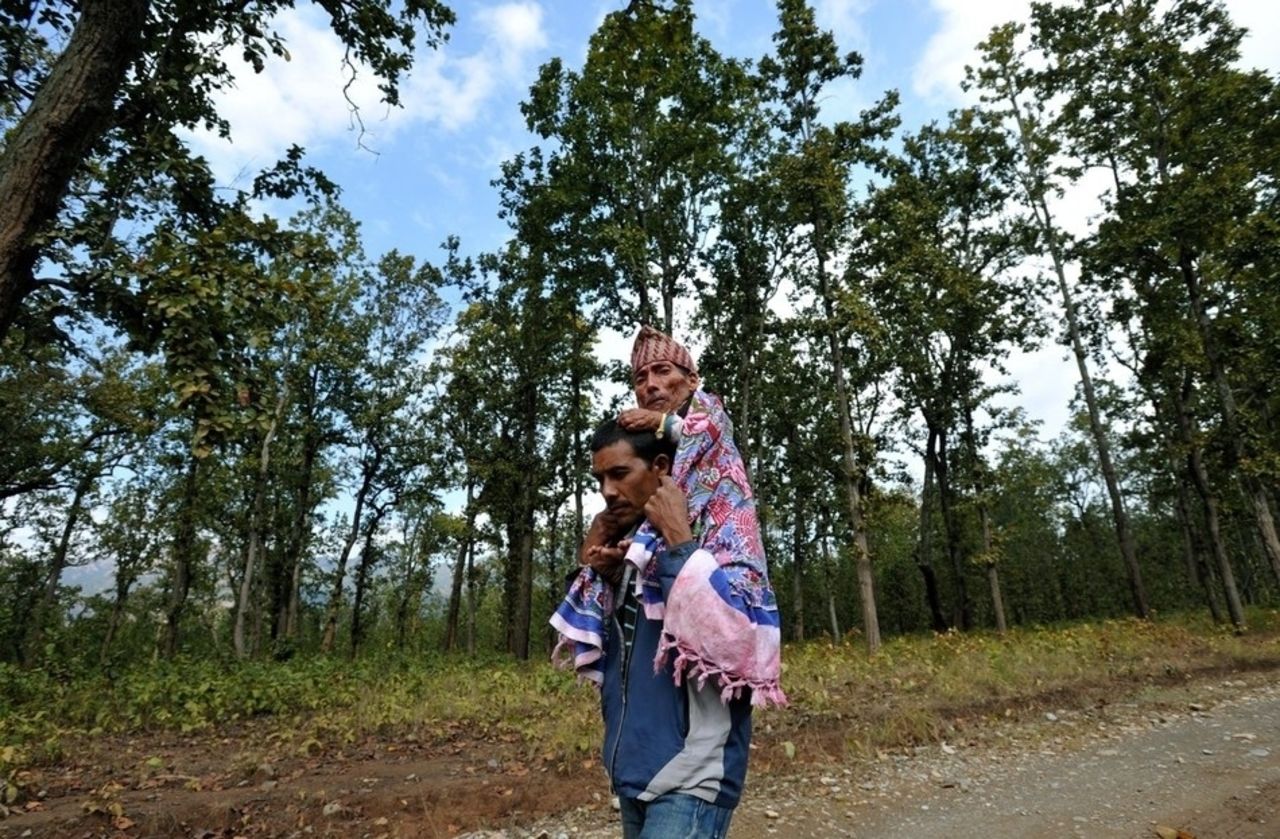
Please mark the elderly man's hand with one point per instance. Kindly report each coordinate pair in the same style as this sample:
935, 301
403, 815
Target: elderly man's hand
639, 419
668, 511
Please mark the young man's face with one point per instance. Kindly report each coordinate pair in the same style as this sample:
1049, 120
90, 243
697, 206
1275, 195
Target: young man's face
626, 480
663, 386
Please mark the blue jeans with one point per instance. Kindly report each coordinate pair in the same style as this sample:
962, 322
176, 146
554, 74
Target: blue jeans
673, 816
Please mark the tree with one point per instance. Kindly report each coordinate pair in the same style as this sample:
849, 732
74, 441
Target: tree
643, 135
1153, 97
939, 252
1009, 94
400, 313
817, 160
108, 108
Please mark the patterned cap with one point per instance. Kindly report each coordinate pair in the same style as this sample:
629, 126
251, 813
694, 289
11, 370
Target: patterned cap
651, 345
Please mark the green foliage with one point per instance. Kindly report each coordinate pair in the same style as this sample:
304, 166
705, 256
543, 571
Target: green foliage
907, 694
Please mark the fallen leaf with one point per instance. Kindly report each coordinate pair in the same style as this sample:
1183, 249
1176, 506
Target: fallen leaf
122, 822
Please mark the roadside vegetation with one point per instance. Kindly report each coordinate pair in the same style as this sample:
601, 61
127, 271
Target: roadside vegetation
843, 703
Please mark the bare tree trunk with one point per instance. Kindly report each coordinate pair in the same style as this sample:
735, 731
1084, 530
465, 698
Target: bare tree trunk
287, 593
471, 597
924, 559
852, 470
255, 523
1198, 572
997, 602
368, 557
1209, 500
57, 564
184, 547
68, 115
1033, 182
521, 544
335, 592
459, 569
797, 567
831, 588
961, 616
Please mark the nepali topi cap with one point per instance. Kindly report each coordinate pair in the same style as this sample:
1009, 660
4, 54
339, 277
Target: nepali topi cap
652, 346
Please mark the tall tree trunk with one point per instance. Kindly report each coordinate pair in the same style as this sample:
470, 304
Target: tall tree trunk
961, 616
472, 604
256, 523
68, 115
1035, 189
579, 453
830, 573
1209, 500
977, 469
411, 588
851, 470
523, 534
523, 546
924, 557
335, 591
286, 590
459, 569
184, 548
48, 601
1198, 572
368, 557
1254, 489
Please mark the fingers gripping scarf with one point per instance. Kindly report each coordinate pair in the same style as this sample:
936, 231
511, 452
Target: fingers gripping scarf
721, 619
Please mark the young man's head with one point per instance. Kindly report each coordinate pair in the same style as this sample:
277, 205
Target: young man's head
662, 371
628, 465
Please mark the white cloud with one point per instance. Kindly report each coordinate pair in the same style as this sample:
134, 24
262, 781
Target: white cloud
301, 100
1259, 17
843, 18
962, 26
516, 27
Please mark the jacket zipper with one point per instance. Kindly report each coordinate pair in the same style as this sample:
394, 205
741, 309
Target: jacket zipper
625, 646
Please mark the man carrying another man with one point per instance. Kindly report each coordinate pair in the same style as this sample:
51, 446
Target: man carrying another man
674, 564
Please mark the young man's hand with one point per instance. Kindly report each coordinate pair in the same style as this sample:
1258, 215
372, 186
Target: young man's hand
668, 511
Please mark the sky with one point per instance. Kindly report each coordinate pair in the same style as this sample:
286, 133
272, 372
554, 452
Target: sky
420, 173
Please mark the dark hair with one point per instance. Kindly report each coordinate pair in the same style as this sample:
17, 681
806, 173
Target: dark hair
645, 444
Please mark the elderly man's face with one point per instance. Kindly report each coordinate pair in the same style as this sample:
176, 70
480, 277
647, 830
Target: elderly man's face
663, 386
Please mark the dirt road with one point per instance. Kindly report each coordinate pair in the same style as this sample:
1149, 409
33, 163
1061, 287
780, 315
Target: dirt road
1207, 763
1202, 757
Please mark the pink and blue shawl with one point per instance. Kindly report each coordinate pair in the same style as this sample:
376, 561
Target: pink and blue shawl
721, 618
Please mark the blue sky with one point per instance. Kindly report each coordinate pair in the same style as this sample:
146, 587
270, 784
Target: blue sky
428, 174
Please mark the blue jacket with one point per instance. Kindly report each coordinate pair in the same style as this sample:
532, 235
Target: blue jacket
661, 737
